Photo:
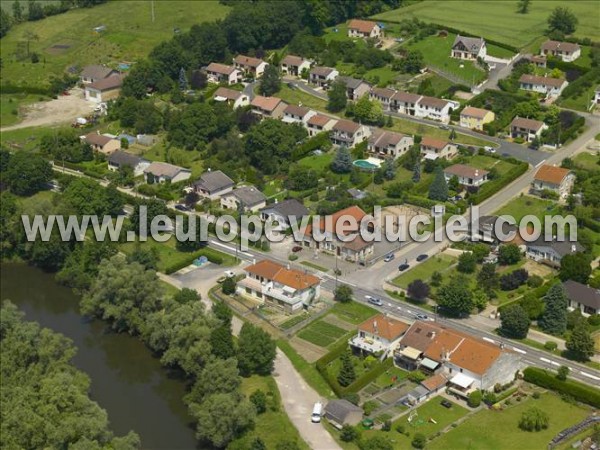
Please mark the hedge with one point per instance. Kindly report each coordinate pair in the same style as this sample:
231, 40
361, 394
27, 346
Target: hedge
491, 187
557, 63
212, 255
579, 391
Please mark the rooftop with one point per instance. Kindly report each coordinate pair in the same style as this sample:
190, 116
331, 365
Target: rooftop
289, 277
96, 71
384, 326
163, 169
97, 139
296, 110
384, 138
528, 124
290, 207
226, 93
545, 81
330, 225
265, 103
462, 170
346, 126
363, 26
321, 71
583, 294
220, 68
551, 174
471, 43
108, 83
214, 181
292, 60
122, 158
471, 111
560, 46
319, 120
249, 195
433, 143
406, 97
244, 60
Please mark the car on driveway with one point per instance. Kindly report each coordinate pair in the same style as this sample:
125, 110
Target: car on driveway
374, 300
422, 257
403, 267
296, 249
489, 149
182, 208
389, 257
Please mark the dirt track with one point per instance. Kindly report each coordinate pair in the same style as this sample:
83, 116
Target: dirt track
64, 109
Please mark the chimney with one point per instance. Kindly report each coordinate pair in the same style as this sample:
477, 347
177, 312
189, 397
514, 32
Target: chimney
573, 248
287, 266
476, 173
375, 326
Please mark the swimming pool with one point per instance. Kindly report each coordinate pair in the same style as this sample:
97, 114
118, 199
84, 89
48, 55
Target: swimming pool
364, 164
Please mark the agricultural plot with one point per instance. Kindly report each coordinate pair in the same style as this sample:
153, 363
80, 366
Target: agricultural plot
321, 333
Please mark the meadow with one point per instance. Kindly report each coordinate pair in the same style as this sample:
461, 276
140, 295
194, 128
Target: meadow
498, 20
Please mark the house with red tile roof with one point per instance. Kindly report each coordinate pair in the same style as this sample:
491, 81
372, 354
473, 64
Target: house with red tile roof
322, 76
389, 144
270, 107
319, 123
349, 133
567, 51
432, 148
551, 87
249, 65
233, 98
553, 178
271, 283
475, 118
364, 29
379, 334
222, 73
294, 65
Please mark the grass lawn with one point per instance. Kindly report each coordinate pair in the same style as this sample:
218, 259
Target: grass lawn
297, 97
409, 127
496, 430
580, 103
499, 21
321, 333
177, 156
487, 162
130, 35
273, 426
525, 205
352, 312
11, 104
314, 266
587, 161
387, 378
317, 162
439, 263
23, 138
436, 53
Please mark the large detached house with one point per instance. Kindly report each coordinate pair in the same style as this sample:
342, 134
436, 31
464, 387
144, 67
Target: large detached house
435, 108
466, 175
550, 252
555, 179
364, 29
567, 51
355, 88
274, 284
322, 76
119, 159
294, 65
254, 67
380, 333
526, 129
104, 89
551, 87
245, 198
384, 144
348, 133
268, 107
297, 114
475, 118
319, 123
102, 143
93, 73
468, 48
284, 213
222, 73
432, 148
162, 172
582, 297
213, 185
233, 98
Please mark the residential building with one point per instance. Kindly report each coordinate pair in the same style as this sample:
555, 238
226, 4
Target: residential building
435, 108
487, 229
526, 129
582, 297
119, 159
222, 73
284, 213
550, 252
161, 172
270, 107
379, 334
294, 65
469, 363
383, 96
245, 199
539, 61
274, 284
93, 73
467, 175
250, 66
213, 184
348, 133
555, 179
384, 144
364, 29
101, 143
436, 148
353, 248
355, 88
469, 48
405, 103
475, 118
233, 98
341, 412
319, 123
551, 87
322, 76
104, 89
357, 194
596, 99
567, 51
297, 114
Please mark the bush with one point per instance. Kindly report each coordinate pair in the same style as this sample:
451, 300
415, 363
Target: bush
416, 376
293, 257
259, 400
550, 345
474, 399
534, 419
419, 441
578, 391
348, 433
369, 407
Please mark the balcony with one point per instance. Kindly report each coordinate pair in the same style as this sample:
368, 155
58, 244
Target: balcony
367, 344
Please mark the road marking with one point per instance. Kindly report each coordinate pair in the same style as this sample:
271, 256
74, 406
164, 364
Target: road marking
231, 249
546, 360
488, 339
519, 350
539, 164
593, 377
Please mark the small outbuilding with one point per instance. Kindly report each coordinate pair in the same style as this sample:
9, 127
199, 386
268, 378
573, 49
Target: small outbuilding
341, 412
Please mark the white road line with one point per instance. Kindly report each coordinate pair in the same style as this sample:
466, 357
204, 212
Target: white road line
519, 350
489, 340
546, 360
539, 164
593, 377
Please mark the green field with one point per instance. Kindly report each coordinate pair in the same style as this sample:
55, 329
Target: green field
496, 430
439, 263
588, 161
522, 206
321, 333
11, 104
498, 20
317, 162
353, 312
298, 97
68, 39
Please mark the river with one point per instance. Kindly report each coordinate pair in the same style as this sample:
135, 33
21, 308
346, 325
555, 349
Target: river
126, 380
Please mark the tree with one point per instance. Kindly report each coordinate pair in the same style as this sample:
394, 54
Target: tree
258, 444
456, 297
452, 135
513, 280
348, 433
347, 374
515, 322
5, 22
562, 19
438, 190
509, 254
228, 286
523, 6
271, 81
389, 171
418, 291
416, 177
436, 278
376, 443
221, 342
218, 376
343, 293
534, 419
342, 162
144, 255
554, 318
337, 96
256, 351
426, 87
259, 399
419, 441
287, 445
562, 373
27, 173
487, 279
411, 63
580, 344
575, 266
17, 11
533, 305
84, 198
474, 399
183, 82
467, 263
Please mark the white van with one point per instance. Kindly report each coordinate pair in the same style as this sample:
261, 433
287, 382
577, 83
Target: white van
316, 413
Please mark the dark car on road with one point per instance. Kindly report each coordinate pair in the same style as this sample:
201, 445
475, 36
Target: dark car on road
403, 267
422, 257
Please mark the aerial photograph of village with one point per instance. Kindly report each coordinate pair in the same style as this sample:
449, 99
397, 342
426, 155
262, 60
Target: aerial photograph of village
299, 224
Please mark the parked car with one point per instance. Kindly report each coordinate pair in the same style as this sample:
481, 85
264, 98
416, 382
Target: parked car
296, 248
422, 257
505, 155
446, 403
489, 149
444, 127
229, 273
422, 317
389, 257
403, 267
374, 300
182, 208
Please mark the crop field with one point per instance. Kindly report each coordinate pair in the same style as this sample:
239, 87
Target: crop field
321, 333
498, 20
69, 39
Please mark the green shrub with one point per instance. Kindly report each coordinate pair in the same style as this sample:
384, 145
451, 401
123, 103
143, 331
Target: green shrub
551, 345
474, 399
579, 391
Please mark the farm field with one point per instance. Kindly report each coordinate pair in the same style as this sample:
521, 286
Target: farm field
321, 333
68, 39
498, 21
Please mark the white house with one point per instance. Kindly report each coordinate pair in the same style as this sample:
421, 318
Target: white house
322, 76
297, 114
284, 213
233, 98
96, 72
222, 73
467, 175
213, 185
435, 108
383, 96
550, 252
552, 87
405, 103
380, 333
582, 297
567, 51
555, 179
119, 159
162, 172
274, 284
348, 133
248, 65
294, 65
319, 123
469, 48
245, 198
436, 148
104, 89
526, 129
364, 29
383, 144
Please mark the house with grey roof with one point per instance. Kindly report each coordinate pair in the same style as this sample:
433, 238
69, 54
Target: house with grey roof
582, 297
120, 159
551, 252
162, 172
322, 76
245, 198
96, 72
284, 213
355, 88
468, 48
213, 185
341, 412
